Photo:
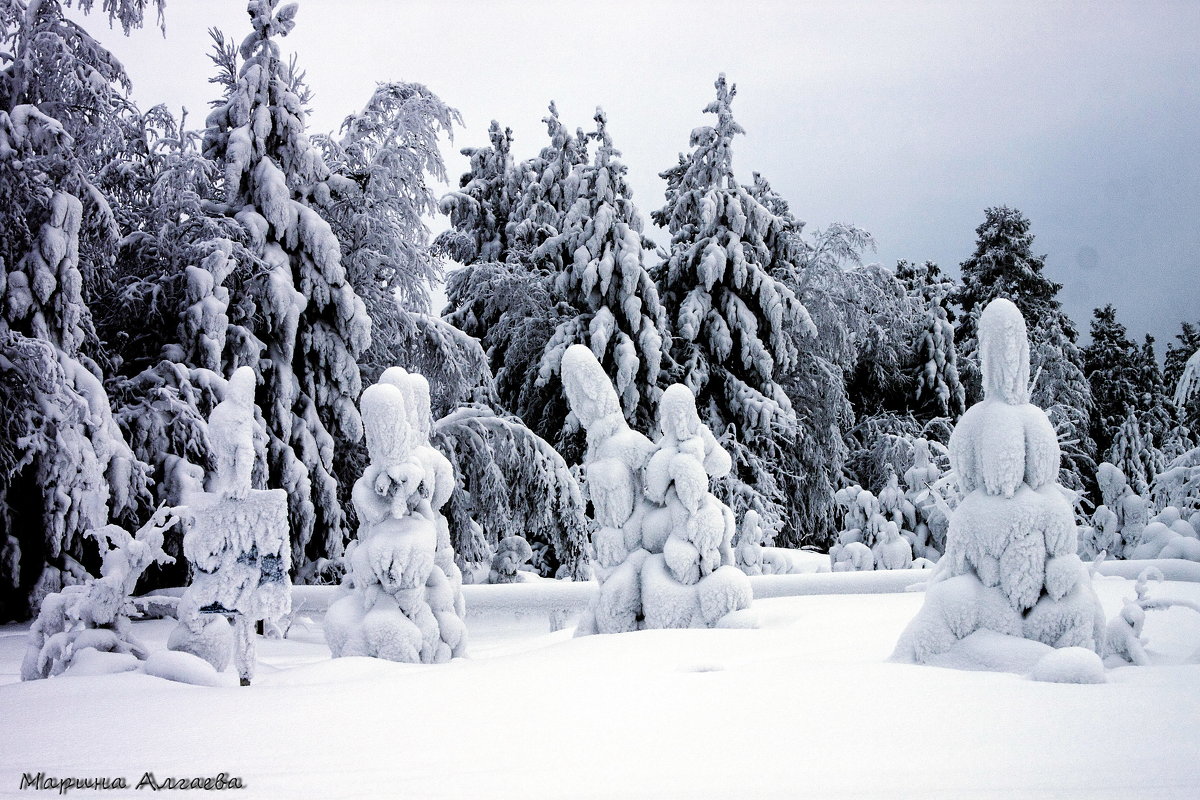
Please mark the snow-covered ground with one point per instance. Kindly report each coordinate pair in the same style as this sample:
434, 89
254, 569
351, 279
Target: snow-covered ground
804, 706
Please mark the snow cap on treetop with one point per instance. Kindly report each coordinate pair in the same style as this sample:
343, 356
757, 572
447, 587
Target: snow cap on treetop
385, 420
588, 389
1004, 353
416, 398
677, 413
240, 389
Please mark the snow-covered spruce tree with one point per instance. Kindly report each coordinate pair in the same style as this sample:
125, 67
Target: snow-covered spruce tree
401, 598
1134, 453
939, 391
168, 305
1010, 565
313, 324
547, 187
664, 556
479, 210
1159, 416
60, 93
733, 321
1004, 265
1110, 365
598, 261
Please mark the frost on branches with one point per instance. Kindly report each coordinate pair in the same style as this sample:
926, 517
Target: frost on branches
402, 591
95, 615
1010, 565
663, 542
237, 544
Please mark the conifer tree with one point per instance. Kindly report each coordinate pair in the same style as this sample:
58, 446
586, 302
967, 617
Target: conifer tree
66, 468
938, 388
598, 263
312, 323
1110, 362
1004, 265
733, 320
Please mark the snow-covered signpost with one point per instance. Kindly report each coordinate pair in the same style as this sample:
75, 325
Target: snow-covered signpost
404, 600
663, 553
237, 544
1010, 565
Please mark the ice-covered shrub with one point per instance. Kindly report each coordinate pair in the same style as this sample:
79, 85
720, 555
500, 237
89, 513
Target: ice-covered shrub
95, 615
402, 591
1011, 564
512, 553
664, 555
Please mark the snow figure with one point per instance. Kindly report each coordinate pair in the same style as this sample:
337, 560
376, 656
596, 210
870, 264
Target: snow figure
403, 592
95, 615
664, 557
512, 553
1010, 565
851, 555
749, 550
237, 545
891, 550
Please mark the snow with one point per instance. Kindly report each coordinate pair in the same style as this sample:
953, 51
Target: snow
1070, 665
783, 701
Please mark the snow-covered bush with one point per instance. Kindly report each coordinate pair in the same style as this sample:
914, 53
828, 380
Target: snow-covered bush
749, 550
1010, 565
891, 550
512, 554
1168, 535
95, 615
663, 546
1119, 521
924, 480
1124, 641
402, 596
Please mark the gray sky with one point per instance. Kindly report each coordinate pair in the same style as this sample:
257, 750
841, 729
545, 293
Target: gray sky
905, 118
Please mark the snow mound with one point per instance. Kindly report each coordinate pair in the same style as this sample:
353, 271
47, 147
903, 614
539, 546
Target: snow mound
1070, 665
90, 661
181, 667
986, 650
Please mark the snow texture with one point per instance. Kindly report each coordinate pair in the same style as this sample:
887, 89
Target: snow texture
1011, 563
664, 554
402, 596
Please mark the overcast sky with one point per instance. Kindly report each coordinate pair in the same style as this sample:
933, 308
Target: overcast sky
905, 118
